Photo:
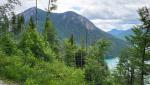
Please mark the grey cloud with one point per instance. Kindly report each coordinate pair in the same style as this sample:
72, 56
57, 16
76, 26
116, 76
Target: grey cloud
107, 25
114, 9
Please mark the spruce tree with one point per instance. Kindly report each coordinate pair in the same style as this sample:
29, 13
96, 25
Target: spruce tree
32, 25
70, 49
50, 32
140, 41
13, 23
80, 56
96, 70
71, 40
127, 66
20, 24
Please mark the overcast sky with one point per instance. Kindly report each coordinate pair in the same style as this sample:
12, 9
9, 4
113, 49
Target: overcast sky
105, 14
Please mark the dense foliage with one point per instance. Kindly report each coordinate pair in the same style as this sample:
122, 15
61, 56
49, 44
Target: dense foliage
31, 58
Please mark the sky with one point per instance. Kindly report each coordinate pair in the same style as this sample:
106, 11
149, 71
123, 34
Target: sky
105, 14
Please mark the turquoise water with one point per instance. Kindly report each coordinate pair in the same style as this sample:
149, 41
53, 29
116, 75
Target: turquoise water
112, 63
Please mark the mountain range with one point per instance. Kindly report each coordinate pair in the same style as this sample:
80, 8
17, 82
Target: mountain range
69, 23
121, 34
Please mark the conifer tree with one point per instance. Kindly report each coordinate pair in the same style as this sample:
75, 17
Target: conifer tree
80, 56
127, 66
20, 24
36, 14
71, 40
70, 49
31, 24
96, 70
50, 32
140, 42
13, 23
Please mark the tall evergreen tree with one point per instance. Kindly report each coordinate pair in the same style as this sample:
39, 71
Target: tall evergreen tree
70, 49
140, 40
96, 70
71, 40
20, 24
127, 66
36, 13
50, 32
14, 23
80, 56
31, 24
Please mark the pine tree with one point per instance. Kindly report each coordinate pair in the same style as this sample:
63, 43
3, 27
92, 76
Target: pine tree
71, 40
127, 66
140, 41
80, 56
96, 70
20, 24
31, 24
50, 32
50, 35
13, 23
81, 53
36, 13
70, 49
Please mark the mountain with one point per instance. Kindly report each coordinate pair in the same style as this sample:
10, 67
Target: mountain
121, 34
115, 32
126, 33
68, 23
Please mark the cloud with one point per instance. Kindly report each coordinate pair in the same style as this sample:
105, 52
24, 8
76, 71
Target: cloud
106, 14
4, 1
120, 24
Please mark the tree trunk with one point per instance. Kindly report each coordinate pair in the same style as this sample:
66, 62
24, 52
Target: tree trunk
142, 68
36, 12
132, 76
143, 57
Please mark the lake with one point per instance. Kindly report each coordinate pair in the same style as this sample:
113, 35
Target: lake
112, 63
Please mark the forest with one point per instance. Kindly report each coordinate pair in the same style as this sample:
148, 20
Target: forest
30, 57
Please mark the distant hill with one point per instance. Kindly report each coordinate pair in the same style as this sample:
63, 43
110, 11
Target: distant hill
115, 32
121, 34
68, 23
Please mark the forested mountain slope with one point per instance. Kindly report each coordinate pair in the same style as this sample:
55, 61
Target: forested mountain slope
121, 34
69, 23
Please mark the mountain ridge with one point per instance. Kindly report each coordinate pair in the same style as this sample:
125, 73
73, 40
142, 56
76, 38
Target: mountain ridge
121, 34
